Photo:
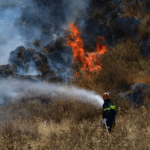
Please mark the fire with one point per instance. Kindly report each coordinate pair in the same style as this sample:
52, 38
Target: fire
90, 62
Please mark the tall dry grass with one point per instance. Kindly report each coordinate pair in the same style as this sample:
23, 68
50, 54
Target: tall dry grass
72, 125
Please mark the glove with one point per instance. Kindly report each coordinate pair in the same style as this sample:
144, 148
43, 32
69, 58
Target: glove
104, 120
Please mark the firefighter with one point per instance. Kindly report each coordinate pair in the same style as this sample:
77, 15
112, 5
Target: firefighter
108, 111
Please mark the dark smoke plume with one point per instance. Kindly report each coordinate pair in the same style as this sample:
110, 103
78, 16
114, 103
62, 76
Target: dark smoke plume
46, 20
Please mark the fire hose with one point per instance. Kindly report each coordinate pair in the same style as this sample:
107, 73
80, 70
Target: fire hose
106, 127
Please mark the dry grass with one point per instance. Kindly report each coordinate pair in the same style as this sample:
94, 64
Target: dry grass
73, 125
142, 77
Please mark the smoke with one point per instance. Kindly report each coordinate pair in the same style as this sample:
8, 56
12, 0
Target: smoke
19, 89
9, 35
29, 69
47, 20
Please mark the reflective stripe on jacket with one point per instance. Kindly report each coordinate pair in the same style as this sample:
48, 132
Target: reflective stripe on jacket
110, 107
108, 110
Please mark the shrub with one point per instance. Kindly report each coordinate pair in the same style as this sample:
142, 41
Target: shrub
116, 66
144, 29
134, 8
144, 64
113, 75
56, 111
119, 66
122, 106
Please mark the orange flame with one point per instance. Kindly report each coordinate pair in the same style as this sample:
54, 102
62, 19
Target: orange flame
89, 60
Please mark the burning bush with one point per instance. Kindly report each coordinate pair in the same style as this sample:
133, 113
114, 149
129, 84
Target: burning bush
119, 67
89, 62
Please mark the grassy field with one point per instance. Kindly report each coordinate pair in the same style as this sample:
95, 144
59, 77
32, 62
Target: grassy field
72, 125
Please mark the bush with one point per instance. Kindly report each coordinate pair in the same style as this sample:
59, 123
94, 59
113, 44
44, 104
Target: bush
55, 111
134, 8
144, 64
116, 66
113, 76
144, 29
120, 66
122, 106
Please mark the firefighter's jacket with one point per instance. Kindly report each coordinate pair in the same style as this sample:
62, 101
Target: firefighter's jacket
109, 111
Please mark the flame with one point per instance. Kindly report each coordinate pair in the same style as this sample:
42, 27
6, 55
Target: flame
90, 61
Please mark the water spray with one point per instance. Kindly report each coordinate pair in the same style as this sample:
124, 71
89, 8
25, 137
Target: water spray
18, 89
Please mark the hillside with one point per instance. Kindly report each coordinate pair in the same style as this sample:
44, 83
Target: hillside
56, 60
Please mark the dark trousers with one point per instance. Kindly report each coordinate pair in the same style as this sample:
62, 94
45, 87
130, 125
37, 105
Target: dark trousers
110, 124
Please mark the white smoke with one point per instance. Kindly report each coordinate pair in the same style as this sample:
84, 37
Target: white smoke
9, 35
11, 89
21, 21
